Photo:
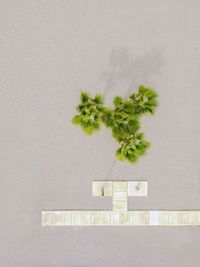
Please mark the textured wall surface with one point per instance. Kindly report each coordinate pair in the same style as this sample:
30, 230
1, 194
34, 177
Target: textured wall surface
49, 52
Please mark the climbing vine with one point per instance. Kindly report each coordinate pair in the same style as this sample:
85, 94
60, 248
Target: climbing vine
123, 119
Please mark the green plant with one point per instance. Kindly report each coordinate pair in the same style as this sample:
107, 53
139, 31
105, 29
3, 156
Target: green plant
123, 119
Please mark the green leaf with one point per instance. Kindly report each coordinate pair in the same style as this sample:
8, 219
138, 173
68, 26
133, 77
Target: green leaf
120, 156
76, 119
88, 130
117, 101
96, 125
86, 118
85, 96
99, 99
123, 120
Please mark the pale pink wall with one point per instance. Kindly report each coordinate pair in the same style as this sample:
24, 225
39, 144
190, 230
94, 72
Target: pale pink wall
49, 51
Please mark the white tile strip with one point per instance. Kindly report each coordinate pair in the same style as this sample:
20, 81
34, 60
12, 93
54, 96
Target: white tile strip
120, 195
121, 218
105, 188
120, 190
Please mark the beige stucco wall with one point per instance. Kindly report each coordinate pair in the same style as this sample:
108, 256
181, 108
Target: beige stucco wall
49, 51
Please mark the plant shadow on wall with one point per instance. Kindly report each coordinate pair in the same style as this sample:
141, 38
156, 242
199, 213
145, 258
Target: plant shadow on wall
140, 70
124, 118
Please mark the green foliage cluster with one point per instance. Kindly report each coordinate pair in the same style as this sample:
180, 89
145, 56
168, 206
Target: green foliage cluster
123, 119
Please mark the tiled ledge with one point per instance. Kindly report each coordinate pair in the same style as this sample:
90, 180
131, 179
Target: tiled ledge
121, 218
119, 191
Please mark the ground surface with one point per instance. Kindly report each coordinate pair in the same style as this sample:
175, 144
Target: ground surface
49, 51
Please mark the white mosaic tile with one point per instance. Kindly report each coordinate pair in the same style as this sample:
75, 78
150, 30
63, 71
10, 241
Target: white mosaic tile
138, 188
122, 218
101, 189
120, 190
120, 205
